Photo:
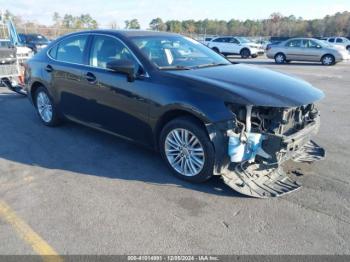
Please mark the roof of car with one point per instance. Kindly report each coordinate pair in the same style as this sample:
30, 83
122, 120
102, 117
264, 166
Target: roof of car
131, 33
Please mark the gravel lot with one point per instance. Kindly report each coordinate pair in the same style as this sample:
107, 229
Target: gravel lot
85, 192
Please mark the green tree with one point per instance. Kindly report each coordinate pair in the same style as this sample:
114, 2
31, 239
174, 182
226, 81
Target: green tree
157, 24
132, 24
174, 26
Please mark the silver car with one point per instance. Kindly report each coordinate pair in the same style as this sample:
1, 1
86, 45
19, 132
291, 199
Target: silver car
306, 49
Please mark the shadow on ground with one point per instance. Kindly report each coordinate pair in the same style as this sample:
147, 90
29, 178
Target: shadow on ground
271, 62
82, 150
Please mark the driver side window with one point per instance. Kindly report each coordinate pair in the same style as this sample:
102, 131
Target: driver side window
106, 49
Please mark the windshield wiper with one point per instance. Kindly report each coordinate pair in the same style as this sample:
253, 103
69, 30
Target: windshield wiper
210, 65
174, 68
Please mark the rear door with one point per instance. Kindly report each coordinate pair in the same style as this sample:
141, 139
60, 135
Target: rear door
64, 69
220, 43
293, 50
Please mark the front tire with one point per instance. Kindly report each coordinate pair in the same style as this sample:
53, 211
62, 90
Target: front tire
328, 60
187, 149
45, 107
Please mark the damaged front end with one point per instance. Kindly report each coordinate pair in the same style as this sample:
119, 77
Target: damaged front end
259, 139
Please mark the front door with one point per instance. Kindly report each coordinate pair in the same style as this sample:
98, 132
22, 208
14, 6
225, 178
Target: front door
312, 50
115, 104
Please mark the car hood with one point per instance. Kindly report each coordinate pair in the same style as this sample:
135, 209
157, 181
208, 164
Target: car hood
249, 85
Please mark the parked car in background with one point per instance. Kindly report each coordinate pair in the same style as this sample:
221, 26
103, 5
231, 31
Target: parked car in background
36, 42
306, 49
263, 43
338, 41
229, 45
7, 52
204, 114
206, 40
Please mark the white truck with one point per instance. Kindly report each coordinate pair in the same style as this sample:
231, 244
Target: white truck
12, 58
229, 45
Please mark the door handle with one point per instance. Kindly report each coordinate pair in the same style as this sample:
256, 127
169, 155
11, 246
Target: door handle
48, 68
90, 77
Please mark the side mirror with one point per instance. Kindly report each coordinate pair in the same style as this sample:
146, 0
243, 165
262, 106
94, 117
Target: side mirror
123, 66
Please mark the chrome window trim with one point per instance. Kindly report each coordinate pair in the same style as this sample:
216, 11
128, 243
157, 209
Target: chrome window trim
93, 34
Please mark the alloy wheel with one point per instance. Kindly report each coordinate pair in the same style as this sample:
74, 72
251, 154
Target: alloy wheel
44, 106
280, 59
328, 60
184, 152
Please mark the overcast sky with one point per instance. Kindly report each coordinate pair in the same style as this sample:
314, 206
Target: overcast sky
107, 11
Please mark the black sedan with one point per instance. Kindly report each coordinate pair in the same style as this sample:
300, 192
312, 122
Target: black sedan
204, 114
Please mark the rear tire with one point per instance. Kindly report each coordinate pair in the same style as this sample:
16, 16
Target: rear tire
245, 53
328, 60
46, 108
280, 58
189, 159
348, 48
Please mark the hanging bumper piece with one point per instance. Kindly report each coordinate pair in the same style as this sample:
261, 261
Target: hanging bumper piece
265, 181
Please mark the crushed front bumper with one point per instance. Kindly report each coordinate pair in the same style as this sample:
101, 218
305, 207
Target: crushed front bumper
264, 179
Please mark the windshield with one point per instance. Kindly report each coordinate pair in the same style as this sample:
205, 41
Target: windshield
321, 43
176, 52
243, 40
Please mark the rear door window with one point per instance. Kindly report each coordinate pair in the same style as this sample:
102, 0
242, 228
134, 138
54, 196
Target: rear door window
71, 50
222, 40
294, 43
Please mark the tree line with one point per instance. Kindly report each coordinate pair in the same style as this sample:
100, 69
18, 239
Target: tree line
275, 25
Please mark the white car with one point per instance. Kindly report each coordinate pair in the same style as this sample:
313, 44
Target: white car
206, 40
229, 45
339, 41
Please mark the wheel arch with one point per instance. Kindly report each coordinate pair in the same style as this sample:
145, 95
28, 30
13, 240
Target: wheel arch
279, 53
245, 47
35, 85
328, 54
174, 113
214, 48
